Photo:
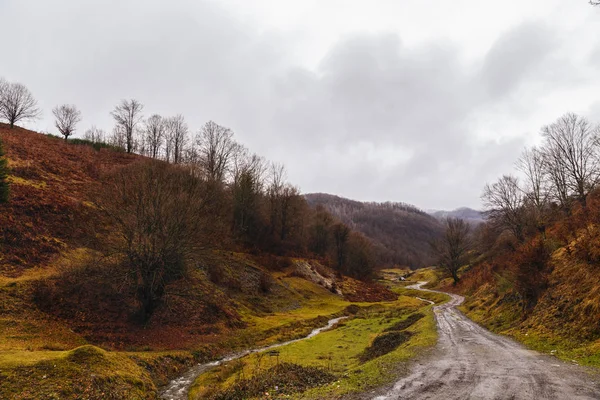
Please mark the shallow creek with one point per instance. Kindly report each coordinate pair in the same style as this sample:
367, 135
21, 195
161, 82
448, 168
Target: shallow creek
178, 388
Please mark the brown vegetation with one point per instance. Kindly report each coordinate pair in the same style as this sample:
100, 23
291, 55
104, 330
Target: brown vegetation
399, 232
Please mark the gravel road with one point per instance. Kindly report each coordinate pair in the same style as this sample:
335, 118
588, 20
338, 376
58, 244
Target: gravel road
473, 363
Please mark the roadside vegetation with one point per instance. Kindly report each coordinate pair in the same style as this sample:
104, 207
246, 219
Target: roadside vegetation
367, 350
533, 268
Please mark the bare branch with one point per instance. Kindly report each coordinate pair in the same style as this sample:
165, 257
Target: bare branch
17, 103
66, 119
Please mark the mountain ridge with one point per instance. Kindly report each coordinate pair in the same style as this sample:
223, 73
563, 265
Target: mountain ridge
402, 232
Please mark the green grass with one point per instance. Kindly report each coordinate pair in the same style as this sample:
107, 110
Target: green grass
86, 372
338, 351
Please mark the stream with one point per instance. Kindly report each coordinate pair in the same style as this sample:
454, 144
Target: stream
178, 388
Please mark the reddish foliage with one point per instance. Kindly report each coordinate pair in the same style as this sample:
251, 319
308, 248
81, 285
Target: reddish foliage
366, 291
47, 209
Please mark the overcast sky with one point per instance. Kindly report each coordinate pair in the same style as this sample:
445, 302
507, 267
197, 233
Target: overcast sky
420, 101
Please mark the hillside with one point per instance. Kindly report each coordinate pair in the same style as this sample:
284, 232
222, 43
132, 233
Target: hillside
474, 217
67, 301
401, 232
543, 291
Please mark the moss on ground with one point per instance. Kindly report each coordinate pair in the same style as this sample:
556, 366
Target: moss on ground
86, 372
337, 351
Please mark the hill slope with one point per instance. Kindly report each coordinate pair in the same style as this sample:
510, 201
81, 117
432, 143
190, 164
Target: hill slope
401, 231
468, 214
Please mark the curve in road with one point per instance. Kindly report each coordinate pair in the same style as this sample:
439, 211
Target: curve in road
470, 362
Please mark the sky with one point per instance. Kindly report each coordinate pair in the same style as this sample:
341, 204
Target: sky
417, 101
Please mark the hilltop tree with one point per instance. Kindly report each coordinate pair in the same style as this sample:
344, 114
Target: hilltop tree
4, 189
504, 201
572, 157
17, 103
128, 115
532, 165
66, 119
216, 148
452, 249
155, 134
176, 140
95, 135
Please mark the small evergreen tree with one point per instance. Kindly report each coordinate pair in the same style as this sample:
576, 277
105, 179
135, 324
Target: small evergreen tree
3, 176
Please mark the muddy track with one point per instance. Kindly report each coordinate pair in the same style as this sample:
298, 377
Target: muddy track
470, 362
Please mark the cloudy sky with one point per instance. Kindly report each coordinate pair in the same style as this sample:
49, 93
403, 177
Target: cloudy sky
421, 101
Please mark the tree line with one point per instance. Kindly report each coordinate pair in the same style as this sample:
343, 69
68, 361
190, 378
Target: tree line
191, 193
552, 182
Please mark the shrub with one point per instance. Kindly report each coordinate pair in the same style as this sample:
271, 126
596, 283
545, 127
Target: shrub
384, 344
405, 323
286, 378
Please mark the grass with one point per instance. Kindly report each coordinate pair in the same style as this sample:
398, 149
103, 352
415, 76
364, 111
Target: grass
338, 351
86, 372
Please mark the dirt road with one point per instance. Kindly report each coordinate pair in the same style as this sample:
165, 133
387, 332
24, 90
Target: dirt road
473, 363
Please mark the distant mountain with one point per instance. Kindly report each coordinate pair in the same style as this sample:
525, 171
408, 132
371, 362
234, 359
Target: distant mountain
468, 214
400, 231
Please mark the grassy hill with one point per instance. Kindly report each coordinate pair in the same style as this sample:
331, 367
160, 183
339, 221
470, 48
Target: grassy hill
401, 232
544, 291
66, 325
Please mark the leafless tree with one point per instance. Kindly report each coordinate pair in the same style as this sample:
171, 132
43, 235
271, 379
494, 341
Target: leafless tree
128, 115
572, 158
177, 136
157, 213
66, 119
532, 165
274, 193
95, 135
117, 138
155, 130
216, 148
504, 201
453, 248
247, 188
17, 103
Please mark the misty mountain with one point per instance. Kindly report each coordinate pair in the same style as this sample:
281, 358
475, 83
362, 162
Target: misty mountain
400, 231
468, 214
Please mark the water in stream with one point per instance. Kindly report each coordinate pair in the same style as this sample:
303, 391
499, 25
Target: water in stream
178, 388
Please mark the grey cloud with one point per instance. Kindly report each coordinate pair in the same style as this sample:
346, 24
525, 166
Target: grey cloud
515, 56
375, 120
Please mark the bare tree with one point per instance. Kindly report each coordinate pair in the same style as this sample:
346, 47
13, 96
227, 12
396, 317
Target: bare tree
17, 103
504, 201
532, 165
155, 134
247, 188
216, 148
157, 211
128, 115
66, 119
453, 248
177, 136
274, 193
95, 135
572, 158
117, 138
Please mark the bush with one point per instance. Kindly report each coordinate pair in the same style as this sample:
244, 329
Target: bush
384, 344
286, 378
405, 323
